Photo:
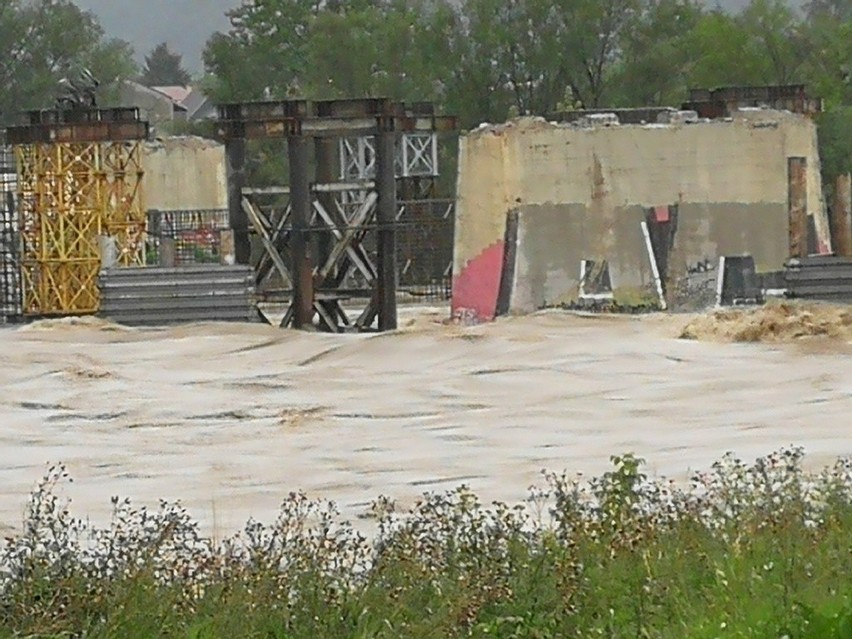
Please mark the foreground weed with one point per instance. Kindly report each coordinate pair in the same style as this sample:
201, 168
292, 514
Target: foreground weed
744, 550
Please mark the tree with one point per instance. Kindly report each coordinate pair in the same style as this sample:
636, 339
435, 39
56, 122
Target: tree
264, 52
372, 50
839, 10
596, 29
723, 53
656, 54
777, 39
828, 65
828, 68
835, 142
163, 67
42, 41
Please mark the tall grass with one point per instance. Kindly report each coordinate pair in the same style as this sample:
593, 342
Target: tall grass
761, 550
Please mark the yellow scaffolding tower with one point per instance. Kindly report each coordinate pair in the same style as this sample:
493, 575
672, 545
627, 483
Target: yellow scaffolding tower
79, 177
71, 193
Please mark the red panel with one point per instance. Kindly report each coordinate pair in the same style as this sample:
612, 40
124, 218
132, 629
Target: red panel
476, 288
661, 214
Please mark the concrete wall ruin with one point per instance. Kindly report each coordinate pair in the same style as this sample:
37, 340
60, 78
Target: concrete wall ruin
582, 193
185, 173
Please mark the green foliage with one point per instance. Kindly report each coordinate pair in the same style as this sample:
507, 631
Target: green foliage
747, 551
266, 50
163, 67
835, 138
658, 55
42, 41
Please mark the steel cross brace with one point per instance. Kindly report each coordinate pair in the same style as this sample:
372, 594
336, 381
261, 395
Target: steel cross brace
279, 239
346, 256
261, 226
345, 239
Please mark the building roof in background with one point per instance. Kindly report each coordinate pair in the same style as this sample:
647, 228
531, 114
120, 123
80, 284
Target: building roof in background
176, 93
140, 89
190, 99
195, 101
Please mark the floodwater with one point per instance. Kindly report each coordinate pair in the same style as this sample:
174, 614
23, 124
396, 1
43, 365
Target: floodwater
231, 418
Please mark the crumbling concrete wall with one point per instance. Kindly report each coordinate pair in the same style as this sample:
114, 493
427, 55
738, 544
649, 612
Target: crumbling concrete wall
581, 193
185, 173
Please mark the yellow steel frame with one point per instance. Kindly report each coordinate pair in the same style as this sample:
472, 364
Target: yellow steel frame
69, 194
123, 214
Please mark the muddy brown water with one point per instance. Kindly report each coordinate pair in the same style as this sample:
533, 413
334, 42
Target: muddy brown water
230, 418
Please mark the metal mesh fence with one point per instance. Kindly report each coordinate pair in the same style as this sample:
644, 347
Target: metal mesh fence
196, 235
424, 240
424, 244
425, 249
10, 269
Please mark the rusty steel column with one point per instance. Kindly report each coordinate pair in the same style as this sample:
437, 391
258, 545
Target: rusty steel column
326, 173
797, 206
235, 155
386, 217
300, 204
841, 225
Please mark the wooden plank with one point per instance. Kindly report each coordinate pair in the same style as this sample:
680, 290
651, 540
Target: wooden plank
841, 225
797, 206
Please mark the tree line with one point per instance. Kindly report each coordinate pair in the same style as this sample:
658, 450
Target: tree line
486, 60
483, 60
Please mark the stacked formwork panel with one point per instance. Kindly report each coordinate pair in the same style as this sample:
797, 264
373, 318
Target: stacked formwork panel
79, 177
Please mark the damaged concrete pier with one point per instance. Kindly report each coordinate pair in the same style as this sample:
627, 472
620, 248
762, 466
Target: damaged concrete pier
679, 194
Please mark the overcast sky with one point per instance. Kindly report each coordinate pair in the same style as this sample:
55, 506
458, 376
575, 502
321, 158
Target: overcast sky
184, 24
187, 24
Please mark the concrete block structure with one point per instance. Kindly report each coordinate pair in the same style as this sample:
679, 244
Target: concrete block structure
185, 173
705, 189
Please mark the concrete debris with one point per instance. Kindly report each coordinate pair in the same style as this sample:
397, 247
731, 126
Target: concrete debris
695, 292
525, 122
598, 119
756, 118
678, 117
782, 322
183, 141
